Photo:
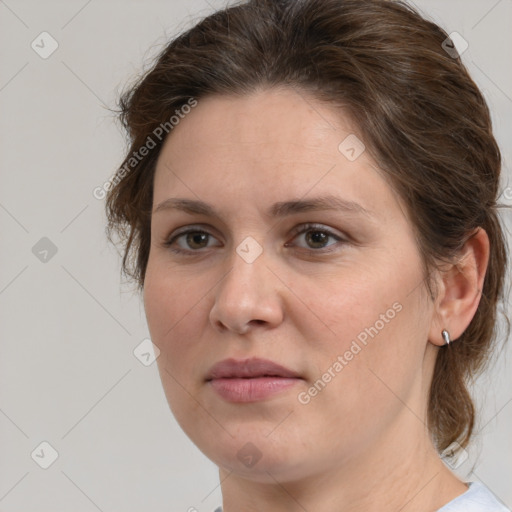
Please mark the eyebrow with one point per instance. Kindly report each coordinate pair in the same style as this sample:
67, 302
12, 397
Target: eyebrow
280, 209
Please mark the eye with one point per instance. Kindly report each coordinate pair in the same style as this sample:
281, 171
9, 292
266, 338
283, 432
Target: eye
316, 237
192, 240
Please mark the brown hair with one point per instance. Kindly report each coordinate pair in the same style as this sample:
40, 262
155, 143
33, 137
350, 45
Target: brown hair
420, 114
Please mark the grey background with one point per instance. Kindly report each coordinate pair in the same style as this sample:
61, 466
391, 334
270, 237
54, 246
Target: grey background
68, 375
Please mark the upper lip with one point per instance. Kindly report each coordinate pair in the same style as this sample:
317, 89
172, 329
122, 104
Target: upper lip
246, 368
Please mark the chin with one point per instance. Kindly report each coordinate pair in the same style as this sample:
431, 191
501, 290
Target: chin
256, 457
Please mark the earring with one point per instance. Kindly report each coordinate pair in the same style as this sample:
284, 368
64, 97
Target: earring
446, 336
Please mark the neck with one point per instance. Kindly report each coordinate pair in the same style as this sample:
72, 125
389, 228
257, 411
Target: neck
401, 472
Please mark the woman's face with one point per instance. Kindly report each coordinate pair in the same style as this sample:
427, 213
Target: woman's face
340, 303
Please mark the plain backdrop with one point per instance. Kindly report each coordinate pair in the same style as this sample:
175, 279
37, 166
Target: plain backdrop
69, 327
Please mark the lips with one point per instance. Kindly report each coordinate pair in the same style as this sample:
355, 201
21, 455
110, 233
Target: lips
250, 380
249, 368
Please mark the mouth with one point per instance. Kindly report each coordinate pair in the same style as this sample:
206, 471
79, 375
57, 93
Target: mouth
249, 369
256, 376
251, 389
250, 380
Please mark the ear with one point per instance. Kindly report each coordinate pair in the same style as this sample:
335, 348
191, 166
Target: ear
460, 289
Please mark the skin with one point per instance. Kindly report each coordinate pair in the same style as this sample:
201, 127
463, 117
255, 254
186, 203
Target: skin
361, 444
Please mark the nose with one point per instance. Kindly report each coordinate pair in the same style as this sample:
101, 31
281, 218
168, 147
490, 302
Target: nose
249, 295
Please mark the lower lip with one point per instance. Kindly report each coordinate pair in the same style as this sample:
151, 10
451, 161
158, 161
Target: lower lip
251, 390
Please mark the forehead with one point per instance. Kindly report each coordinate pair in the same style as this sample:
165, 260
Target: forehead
265, 146
263, 122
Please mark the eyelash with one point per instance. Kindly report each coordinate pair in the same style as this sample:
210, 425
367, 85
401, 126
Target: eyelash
304, 229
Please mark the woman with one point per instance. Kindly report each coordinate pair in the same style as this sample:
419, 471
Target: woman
309, 206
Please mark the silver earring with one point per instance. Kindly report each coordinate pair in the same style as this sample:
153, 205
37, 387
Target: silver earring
446, 336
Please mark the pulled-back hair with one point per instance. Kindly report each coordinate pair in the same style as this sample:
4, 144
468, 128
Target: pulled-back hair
421, 116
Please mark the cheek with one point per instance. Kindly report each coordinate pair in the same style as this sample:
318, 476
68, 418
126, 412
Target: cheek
170, 306
172, 312
177, 308
370, 325
168, 299
160, 306
351, 304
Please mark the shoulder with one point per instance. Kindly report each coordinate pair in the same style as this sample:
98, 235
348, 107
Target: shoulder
478, 498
